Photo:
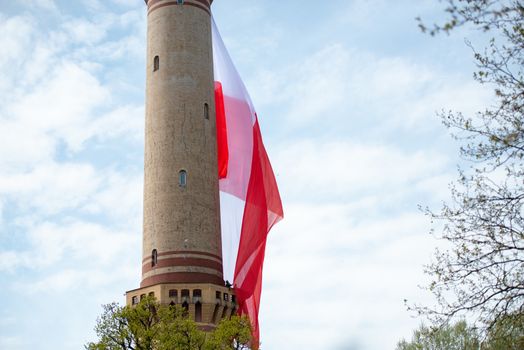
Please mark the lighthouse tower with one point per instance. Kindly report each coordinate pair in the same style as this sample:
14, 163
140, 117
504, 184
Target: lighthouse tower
182, 254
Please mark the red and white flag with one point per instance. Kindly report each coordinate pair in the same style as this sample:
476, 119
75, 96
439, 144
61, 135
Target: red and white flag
249, 200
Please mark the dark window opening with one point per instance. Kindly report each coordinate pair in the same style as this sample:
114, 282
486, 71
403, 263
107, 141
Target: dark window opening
152, 309
172, 303
156, 63
206, 111
134, 300
173, 293
215, 314
152, 294
198, 312
154, 258
142, 297
233, 299
185, 305
226, 297
218, 295
197, 293
224, 312
182, 178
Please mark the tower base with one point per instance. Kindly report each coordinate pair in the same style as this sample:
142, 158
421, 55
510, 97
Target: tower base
205, 303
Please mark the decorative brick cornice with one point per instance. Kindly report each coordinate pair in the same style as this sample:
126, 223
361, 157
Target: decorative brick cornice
182, 277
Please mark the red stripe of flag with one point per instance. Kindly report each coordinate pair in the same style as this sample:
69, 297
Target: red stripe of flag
262, 199
222, 149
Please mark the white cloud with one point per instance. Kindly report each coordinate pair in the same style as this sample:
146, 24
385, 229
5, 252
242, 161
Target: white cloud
67, 280
63, 105
71, 105
9, 260
95, 6
70, 243
17, 33
58, 203
116, 50
329, 270
316, 169
61, 108
51, 188
49, 5
16, 38
352, 243
321, 85
338, 86
11, 342
22, 146
74, 188
128, 3
120, 199
134, 18
94, 41
126, 120
86, 32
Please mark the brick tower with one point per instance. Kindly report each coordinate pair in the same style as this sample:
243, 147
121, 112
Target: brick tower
182, 254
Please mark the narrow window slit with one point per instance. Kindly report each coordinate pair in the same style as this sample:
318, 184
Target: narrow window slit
156, 64
154, 258
198, 312
182, 178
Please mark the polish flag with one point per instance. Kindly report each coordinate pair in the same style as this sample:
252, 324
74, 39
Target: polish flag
249, 200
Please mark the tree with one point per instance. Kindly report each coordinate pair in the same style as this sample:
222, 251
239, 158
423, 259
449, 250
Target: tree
456, 337
115, 330
151, 326
177, 330
506, 334
482, 273
236, 331
459, 336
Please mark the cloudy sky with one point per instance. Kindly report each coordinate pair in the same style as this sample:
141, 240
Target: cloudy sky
346, 93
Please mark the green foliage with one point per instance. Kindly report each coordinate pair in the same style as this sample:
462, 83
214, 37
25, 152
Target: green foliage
151, 326
506, 334
482, 273
178, 331
231, 334
456, 337
113, 330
